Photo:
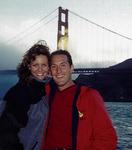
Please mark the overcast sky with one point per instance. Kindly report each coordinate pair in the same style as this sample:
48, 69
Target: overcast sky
90, 45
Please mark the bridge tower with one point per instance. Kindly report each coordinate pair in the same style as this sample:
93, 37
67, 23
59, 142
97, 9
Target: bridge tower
62, 36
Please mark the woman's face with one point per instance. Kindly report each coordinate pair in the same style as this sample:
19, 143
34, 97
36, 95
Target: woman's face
39, 67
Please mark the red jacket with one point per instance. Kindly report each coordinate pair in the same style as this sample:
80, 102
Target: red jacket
95, 130
92, 128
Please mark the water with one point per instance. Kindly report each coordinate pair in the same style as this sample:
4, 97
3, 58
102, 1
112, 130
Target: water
121, 113
6, 81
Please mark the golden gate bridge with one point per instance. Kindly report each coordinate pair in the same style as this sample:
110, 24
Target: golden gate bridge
94, 46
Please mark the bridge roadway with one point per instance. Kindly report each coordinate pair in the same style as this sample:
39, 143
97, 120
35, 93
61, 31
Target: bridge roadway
101, 70
87, 70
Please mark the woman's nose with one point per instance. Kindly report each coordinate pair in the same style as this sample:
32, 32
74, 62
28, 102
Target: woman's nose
40, 68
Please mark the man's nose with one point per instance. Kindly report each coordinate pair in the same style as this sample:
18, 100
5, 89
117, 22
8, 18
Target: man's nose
58, 69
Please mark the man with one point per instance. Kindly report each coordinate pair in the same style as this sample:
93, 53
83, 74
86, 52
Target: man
77, 119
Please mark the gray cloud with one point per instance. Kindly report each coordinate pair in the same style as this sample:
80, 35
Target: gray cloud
16, 15
10, 56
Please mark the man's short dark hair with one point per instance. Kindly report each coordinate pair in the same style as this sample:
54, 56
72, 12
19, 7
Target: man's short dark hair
63, 52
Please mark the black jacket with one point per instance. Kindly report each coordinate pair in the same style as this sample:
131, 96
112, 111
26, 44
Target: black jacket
18, 100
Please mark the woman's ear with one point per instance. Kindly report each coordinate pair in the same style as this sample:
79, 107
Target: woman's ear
49, 73
29, 67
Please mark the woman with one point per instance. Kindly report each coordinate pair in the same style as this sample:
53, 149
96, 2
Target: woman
21, 123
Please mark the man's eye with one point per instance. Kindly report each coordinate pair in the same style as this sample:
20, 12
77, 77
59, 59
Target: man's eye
53, 67
63, 65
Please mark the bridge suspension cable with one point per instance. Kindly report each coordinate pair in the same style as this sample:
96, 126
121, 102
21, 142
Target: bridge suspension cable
100, 26
31, 26
27, 34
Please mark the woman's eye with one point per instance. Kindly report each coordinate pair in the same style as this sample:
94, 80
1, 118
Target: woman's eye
44, 65
35, 65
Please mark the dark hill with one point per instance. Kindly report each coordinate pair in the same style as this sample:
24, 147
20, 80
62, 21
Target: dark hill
8, 71
127, 64
114, 83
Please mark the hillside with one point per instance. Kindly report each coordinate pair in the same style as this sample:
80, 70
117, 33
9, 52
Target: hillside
114, 83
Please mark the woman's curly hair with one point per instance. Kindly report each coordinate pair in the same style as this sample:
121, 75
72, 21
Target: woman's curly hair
40, 48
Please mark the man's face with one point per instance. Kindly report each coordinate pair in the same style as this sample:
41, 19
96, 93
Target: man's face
61, 71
